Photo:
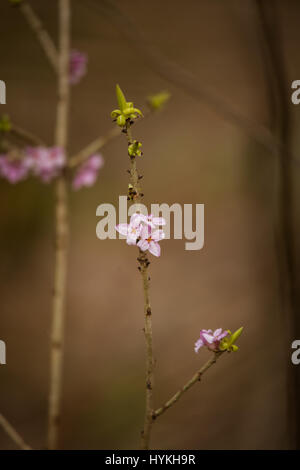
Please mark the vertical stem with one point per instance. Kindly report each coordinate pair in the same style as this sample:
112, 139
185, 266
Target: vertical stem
146, 433
269, 19
62, 231
144, 263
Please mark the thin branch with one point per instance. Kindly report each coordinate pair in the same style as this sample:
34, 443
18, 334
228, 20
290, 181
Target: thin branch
62, 232
146, 433
41, 33
13, 434
26, 136
93, 147
268, 16
195, 379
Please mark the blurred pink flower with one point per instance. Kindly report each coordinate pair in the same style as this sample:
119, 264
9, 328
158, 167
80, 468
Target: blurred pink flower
13, 170
87, 173
44, 162
77, 66
210, 339
149, 239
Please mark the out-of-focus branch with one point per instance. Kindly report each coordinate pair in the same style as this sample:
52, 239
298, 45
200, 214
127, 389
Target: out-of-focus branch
195, 379
13, 434
279, 104
93, 147
62, 231
26, 136
41, 33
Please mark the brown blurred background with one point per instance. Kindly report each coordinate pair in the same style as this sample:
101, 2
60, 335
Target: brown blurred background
192, 154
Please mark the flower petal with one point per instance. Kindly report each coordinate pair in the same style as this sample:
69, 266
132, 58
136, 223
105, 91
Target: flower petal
217, 332
222, 335
154, 248
145, 232
122, 229
131, 241
136, 219
208, 338
143, 245
158, 235
199, 343
158, 221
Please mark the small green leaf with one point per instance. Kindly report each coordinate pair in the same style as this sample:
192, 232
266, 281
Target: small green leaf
236, 335
227, 343
121, 99
115, 113
158, 100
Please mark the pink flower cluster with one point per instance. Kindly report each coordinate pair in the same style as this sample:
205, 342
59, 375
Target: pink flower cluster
12, 170
77, 66
45, 163
87, 173
143, 232
210, 339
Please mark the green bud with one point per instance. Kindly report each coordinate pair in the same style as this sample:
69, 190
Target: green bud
134, 149
126, 112
121, 120
5, 124
157, 101
227, 343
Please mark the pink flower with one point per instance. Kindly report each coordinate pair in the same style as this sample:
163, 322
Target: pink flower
132, 230
77, 66
141, 233
44, 162
210, 339
154, 221
149, 240
87, 173
13, 170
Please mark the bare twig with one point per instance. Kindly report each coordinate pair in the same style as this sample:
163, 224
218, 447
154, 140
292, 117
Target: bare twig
93, 147
196, 378
41, 33
62, 232
26, 136
13, 434
146, 433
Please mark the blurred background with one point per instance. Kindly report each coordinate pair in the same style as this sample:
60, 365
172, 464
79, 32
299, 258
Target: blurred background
220, 60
